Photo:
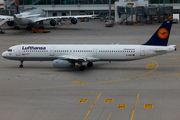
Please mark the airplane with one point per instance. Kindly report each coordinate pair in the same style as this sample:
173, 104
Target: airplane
33, 16
66, 56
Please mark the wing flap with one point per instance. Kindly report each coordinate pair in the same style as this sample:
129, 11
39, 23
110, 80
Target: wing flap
79, 58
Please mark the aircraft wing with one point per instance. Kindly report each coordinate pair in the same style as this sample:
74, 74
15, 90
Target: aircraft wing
79, 58
3, 17
63, 17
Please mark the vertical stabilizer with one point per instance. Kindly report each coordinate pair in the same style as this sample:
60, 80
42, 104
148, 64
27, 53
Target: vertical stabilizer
17, 7
161, 36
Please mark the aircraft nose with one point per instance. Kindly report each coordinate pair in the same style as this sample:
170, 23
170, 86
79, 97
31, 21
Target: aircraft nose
4, 54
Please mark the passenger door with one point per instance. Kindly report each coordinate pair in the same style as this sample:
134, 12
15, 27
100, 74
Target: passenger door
142, 51
94, 52
18, 51
52, 51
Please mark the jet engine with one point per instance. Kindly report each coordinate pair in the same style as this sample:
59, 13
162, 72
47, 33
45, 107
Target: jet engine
10, 23
74, 20
53, 22
62, 64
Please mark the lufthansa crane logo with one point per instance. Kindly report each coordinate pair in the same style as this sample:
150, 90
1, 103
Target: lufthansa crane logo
163, 33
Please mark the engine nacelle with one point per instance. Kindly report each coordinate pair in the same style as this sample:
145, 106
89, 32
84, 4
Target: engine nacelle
62, 64
10, 23
74, 20
53, 22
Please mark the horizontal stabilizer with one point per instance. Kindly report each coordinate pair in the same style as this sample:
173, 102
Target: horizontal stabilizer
160, 50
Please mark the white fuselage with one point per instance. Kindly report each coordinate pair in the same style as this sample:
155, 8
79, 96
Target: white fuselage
90, 52
29, 17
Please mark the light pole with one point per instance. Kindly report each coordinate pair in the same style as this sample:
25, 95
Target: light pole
109, 9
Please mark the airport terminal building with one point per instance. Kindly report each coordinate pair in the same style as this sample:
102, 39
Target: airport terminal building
81, 7
88, 7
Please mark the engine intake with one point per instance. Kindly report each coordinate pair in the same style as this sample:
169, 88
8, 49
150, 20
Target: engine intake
53, 22
74, 20
62, 64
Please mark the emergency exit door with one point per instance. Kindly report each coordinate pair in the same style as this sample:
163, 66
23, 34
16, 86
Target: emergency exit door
142, 52
52, 51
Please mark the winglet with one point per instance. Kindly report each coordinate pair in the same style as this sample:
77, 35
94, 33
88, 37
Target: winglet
161, 36
17, 7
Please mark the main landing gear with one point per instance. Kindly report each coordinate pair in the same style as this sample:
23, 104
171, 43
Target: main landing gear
90, 64
28, 27
21, 65
16, 27
82, 67
41, 25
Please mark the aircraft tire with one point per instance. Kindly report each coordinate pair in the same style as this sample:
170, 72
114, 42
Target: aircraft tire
82, 68
20, 66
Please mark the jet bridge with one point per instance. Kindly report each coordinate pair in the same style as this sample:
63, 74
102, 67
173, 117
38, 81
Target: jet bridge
140, 11
164, 12
150, 11
124, 13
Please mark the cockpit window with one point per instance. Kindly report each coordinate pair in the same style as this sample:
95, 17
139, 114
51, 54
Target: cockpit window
9, 50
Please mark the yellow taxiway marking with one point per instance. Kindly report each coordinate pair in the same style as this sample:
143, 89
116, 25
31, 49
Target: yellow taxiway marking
174, 58
149, 66
148, 106
92, 106
44, 37
157, 76
109, 116
83, 100
178, 74
121, 106
47, 35
79, 82
7, 38
134, 107
108, 100
80, 93
179, 45
125, 79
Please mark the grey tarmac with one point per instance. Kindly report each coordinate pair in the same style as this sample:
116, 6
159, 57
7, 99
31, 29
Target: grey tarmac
145, 89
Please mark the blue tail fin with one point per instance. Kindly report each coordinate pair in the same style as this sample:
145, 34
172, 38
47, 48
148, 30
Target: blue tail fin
161, 36
17, 7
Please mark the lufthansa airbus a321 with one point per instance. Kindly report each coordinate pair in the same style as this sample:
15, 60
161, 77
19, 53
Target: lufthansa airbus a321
65, 56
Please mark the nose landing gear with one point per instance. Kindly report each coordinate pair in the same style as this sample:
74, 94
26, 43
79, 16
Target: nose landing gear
21, 65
